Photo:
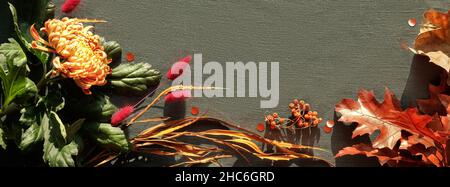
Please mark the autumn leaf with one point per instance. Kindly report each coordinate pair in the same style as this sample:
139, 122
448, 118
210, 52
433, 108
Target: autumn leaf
441, 126
372, 116
437, 102
432, 105
429, 155
434, 39
383, 155
386, 117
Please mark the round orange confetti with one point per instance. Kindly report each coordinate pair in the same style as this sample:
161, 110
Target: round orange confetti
327, 129
412, 22
130, 57
195, 110
330, 123
260, 127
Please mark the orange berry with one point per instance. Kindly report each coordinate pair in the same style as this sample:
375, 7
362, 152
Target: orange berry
307, 116
291, 105
296, 114
315, 113
275, 115
293, 111
272, 127
306, 107
295, 101
270, 118
273, 123
300, 124
281, 120
310, 113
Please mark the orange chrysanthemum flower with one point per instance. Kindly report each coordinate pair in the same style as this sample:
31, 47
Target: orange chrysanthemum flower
80, 53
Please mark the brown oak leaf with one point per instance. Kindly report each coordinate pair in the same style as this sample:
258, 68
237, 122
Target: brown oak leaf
414, 140
387, 117
384, 155
434, 39
428, 155
437, 102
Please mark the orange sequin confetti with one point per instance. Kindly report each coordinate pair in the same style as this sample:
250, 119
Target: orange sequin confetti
130, 57
260, 127
328, 127
195, 110
412, 22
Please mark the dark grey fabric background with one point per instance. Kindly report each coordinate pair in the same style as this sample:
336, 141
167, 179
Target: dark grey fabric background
327, 49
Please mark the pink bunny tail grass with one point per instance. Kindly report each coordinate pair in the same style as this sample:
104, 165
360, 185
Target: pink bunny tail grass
186, 59
69, 6
121, 114
176, 96
177, 69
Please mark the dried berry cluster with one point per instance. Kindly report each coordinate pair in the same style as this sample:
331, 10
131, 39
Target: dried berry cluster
301, 117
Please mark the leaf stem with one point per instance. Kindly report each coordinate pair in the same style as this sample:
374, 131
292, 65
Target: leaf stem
11, 108
44, 80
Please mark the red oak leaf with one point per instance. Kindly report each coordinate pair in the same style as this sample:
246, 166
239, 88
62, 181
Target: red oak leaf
414, 140
387, 117
434, 39
436, 103
371, 116
440, 124
383, 155
428, 155
415, 123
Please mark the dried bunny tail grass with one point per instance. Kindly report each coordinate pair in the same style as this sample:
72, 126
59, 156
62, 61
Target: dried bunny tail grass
239, 140
212, 159
165, 92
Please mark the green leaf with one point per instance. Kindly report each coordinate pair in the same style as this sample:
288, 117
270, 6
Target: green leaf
57, 153
74, 128
54, 101
113, 50
107, 136
97, 106
23, 25
13, 71
31, 115
32, 118
31, 136
2, 141
134, 77
57, 123
14, 53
